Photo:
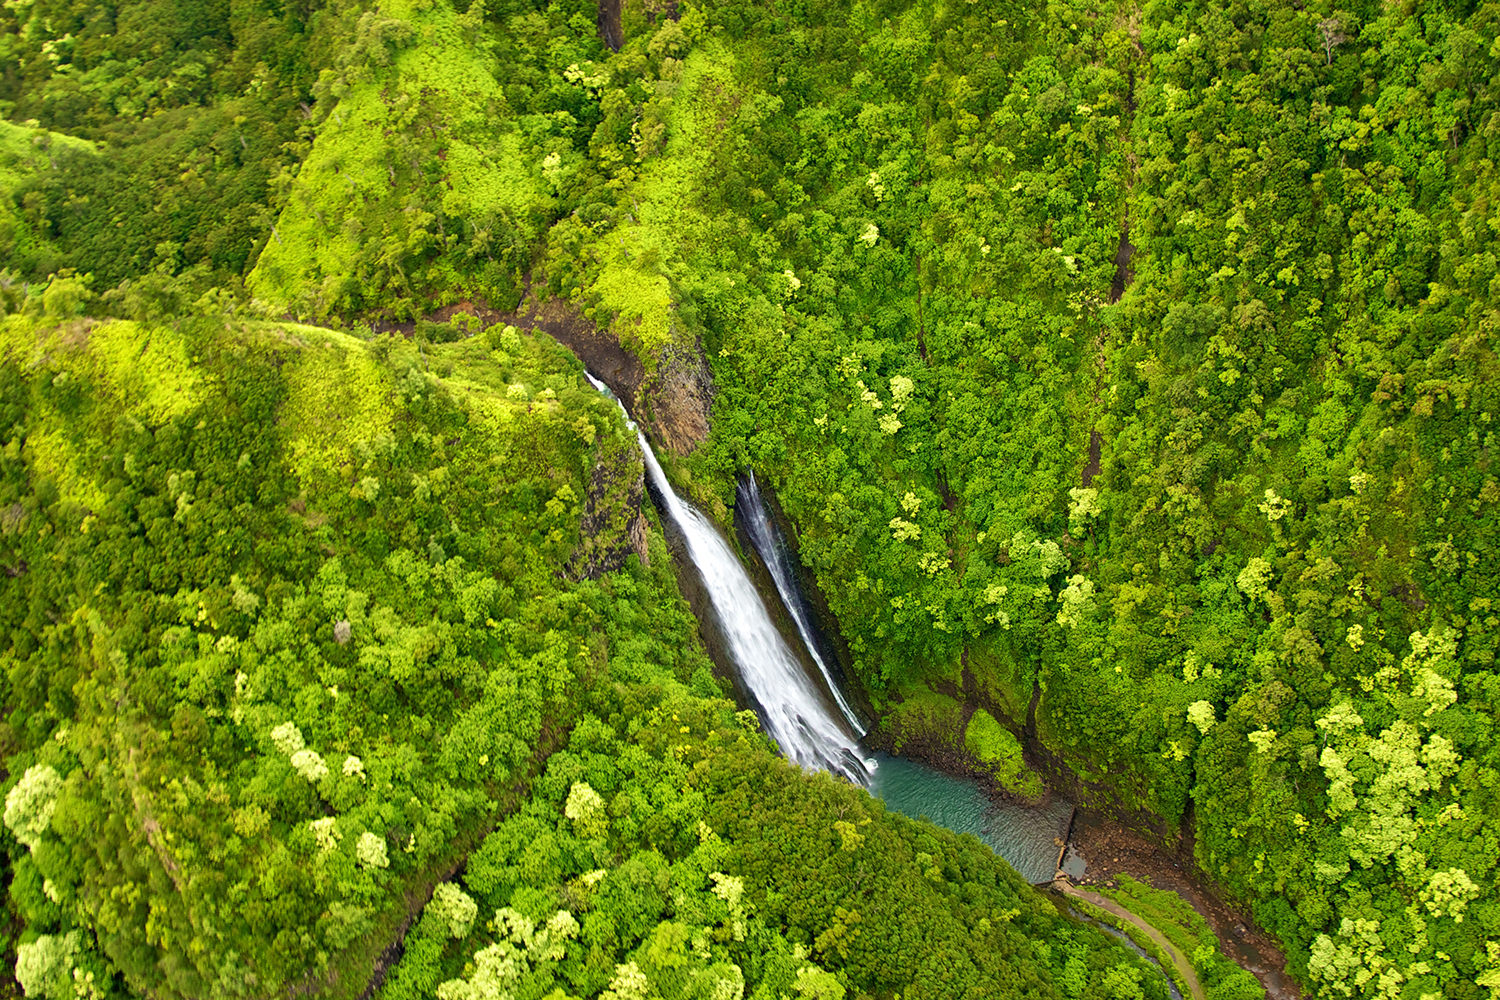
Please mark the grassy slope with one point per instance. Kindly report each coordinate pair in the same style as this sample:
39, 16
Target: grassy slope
415, 138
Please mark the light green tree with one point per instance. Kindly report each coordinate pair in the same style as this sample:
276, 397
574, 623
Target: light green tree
310, 764
629, 983
814, 983
1083, 507
326, 832
30, 804
586, 809
1201, 714
287, 738
44, 967
1077, 599
370, 850
454, 908
1254, 578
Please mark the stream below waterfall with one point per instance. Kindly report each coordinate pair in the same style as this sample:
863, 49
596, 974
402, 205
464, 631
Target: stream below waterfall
798, 694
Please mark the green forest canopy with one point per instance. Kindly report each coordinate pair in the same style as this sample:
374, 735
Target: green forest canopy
1137, 357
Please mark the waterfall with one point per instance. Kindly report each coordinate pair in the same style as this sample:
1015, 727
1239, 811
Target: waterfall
797, 713
773, 551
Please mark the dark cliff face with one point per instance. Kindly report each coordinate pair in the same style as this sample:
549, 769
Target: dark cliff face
599, 351
611, 28
672, 401
678, 398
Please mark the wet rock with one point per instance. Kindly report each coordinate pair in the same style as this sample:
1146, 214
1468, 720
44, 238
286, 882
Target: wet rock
1124, 273
599, 351
611, 24
672, 402
678, 397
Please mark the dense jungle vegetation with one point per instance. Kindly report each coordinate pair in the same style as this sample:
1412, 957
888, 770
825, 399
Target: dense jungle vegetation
1126, 369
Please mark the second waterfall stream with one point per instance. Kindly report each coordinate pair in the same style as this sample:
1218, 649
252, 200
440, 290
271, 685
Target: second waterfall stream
778, 561
811, 723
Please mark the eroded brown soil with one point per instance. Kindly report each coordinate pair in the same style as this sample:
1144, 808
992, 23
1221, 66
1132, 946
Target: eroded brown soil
1111, 850
600, 353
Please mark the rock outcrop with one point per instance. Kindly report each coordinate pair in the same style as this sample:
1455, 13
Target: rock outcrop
613, 524
678, 398
673, 402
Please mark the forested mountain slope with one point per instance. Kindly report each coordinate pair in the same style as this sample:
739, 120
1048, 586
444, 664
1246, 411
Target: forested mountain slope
292, 623
1127, 369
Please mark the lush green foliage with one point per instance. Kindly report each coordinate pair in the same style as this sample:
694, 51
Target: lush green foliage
997, 749
377, 200
672, 849
309, 637
288, 631
195, 110
1231, 535
1272, 595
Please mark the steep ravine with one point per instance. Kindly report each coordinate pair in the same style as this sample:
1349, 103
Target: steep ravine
1159, 852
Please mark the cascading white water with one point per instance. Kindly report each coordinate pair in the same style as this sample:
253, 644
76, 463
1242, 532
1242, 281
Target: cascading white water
796, 714
793, 709
815, 727
764, 537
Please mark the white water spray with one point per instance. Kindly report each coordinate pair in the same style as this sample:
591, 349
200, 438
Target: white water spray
796, 713
764, 536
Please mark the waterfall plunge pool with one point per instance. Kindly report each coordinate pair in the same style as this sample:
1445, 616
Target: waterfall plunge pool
1027, 837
